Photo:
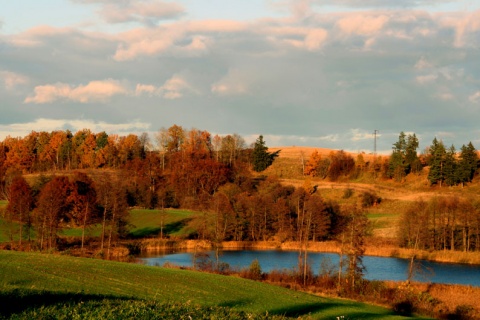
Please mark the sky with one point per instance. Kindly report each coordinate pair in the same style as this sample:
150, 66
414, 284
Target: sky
315, 73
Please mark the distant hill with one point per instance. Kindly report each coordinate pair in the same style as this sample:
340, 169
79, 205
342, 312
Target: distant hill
296, 152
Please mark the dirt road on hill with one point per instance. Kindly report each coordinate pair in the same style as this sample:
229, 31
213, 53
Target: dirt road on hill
383, 191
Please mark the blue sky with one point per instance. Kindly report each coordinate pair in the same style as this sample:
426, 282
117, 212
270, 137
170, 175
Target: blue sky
300, 72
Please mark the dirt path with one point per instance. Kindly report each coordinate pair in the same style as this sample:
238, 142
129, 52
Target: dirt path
382, 190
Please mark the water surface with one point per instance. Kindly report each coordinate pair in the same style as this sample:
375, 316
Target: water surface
377, 268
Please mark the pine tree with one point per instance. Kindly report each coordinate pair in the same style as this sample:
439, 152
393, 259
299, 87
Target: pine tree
411, 156
468, 163
404, 158
397, 165
262, 159
450, 168
437, 162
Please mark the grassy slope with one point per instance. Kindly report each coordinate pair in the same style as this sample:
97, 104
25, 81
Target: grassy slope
144, 223
148, 222
63, 275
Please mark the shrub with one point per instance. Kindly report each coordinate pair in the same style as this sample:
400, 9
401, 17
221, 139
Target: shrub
202, 261
462, 312
255, 270
134, 248
348, 193
404, 308
370, 199
282, 276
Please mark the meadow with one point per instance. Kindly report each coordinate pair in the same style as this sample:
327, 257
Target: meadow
34, 285
143, 223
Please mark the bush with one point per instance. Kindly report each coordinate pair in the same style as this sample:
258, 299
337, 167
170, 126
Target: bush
134, 248
404, 308
255, 270
282, 276
462, 312
370, 199
348, 193
202, 262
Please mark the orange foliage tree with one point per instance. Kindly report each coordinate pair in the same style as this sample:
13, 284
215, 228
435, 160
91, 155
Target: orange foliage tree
20, 204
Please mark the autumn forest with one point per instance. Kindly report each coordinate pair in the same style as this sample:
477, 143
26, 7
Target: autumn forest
57, 179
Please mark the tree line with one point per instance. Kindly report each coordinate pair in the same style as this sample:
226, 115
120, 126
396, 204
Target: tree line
442, 223
188, 169
446, 166
56, 202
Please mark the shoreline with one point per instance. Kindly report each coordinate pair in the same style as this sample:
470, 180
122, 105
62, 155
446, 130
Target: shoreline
390, 251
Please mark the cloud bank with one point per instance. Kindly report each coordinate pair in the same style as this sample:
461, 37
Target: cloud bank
316, 74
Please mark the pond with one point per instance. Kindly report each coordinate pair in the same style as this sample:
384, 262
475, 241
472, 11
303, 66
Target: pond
377, 268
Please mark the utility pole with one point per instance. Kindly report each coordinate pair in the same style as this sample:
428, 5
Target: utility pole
375, 132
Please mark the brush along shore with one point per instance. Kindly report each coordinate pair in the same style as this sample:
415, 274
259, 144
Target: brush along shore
372, 249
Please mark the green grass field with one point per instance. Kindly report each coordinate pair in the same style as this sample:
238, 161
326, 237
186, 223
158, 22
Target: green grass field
148, 223
143, 223
66, 285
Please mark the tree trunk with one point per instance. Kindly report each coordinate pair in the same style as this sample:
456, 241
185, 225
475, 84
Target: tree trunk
85, 216
112, 225
103, 228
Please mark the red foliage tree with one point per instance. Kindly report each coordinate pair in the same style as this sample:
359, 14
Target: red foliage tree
20, 204
52, 208
83, 201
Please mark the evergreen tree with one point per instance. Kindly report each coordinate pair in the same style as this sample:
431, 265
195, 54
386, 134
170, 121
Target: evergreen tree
468, 163
404, 154
437, 162
450, 167
411, 157
396, 166
262, 159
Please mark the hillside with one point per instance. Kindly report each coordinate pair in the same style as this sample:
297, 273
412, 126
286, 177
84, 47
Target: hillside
49, 280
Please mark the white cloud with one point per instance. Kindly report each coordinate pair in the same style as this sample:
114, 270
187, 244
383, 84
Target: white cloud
475, 98
35, 36
147, 11
445, 95
273, 140
185, 38
423, 63
466, 26
145, 89
310, 68
358, 135
362, 24
382, 3
424, 79
228, 89
48, 125
94, 91
234, 83
12, 79
145, 42
173, 88
314, 39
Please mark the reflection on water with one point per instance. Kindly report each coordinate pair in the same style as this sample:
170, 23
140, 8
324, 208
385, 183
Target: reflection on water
377, 268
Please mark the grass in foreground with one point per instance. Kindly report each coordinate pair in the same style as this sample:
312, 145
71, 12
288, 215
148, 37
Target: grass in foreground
53, 280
